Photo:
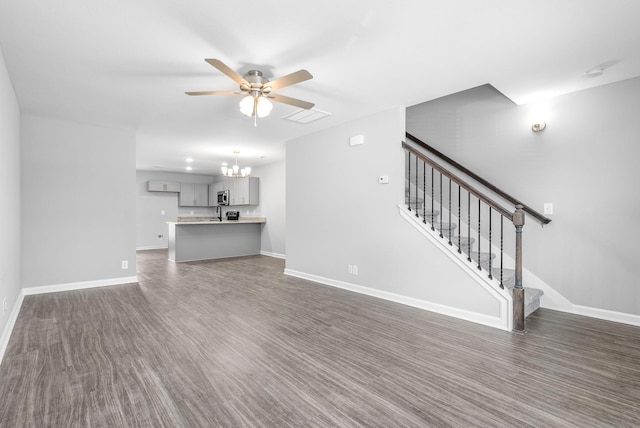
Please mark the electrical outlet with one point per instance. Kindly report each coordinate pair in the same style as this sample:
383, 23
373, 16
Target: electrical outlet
125, 264
4, 305
350, 269
355, 269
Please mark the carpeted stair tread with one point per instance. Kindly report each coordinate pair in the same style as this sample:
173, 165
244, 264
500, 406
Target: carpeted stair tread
484, 259
531, 295
465, 241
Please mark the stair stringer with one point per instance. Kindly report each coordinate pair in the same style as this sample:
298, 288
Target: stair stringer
492, 286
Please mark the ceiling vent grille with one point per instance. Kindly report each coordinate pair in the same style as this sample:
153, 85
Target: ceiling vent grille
306, 116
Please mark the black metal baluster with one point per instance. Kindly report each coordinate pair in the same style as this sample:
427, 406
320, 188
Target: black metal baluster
469, 226
424, 192
409, 180
441, 235
459, 224
432, 200
417, 186
449, 235
501, 248
490, 272
479, 223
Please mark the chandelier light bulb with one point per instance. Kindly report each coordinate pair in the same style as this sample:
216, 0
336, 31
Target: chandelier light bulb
234, 170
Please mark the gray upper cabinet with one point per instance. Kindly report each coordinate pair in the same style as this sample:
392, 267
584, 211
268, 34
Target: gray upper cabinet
194, 195
242, 191
163, 186
245, 191
214, 188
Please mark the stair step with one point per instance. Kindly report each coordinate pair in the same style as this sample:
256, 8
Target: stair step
465, 241
484, 259
445, 227
508, 276
531, 300
531, 295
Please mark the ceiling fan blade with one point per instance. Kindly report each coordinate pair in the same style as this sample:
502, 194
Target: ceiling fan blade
289, 79
212, 93
291, 101
226, 70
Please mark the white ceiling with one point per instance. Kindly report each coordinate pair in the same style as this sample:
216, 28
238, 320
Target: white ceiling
127, 63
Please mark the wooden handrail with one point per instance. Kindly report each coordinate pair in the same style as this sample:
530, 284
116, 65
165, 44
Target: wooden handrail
541, 218
478, 194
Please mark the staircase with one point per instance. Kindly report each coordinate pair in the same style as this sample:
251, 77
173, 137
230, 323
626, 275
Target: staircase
505, 276
432, 189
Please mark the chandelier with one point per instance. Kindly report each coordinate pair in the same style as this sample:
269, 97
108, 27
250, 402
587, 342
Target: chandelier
235, 170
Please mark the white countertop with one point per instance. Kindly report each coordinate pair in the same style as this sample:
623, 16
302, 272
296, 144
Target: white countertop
242, 220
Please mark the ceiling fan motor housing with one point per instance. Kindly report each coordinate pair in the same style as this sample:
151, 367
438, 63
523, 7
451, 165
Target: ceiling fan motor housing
257, 81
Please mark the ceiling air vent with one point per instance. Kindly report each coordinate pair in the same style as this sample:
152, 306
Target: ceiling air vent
307, 116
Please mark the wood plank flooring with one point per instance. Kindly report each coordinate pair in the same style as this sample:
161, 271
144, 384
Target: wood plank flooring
235, 343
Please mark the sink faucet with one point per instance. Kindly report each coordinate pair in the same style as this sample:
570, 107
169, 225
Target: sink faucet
219, 212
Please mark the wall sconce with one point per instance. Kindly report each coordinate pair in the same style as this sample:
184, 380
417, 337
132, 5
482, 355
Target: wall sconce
538, 126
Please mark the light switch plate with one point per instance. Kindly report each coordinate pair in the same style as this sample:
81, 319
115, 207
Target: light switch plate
548, 208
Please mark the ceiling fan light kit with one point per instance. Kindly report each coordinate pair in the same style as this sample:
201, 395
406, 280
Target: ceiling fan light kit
258, 90
260, 105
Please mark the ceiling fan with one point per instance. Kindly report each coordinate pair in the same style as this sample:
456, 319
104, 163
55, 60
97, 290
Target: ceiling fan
259, 90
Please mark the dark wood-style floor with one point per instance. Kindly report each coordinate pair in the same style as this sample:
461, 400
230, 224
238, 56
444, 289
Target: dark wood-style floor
235, 343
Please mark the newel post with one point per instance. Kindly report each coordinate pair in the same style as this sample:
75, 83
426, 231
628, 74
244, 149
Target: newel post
518, 291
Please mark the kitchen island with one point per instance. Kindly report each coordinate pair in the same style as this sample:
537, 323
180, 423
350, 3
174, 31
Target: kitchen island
204, 239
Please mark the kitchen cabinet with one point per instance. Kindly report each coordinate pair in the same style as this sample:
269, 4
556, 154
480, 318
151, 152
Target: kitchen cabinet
214, 188
163, 186
244, 191
193, 195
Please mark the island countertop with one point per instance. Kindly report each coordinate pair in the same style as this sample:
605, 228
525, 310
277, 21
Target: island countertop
241, 220
205, 238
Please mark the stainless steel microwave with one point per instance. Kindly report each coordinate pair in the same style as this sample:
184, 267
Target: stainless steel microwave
223, 197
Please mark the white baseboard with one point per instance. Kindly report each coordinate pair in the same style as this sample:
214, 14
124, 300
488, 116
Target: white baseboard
152, 247
276, 255
11, 322
28, 291
607, 315
487, 320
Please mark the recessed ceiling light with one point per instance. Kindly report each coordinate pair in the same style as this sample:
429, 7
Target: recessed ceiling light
189, 160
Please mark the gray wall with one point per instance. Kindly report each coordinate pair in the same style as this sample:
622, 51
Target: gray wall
78, 202
337, 214
150, 222
10, 191
272, 206
585, 163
